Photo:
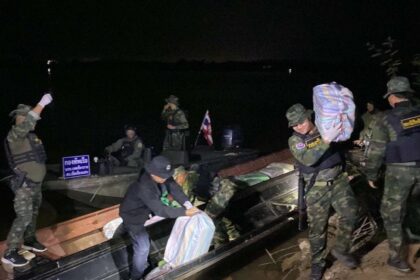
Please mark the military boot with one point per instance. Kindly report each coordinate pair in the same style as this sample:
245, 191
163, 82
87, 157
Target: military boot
345, 258
13, 258
399, 264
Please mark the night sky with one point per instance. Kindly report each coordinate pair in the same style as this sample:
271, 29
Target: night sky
207, 30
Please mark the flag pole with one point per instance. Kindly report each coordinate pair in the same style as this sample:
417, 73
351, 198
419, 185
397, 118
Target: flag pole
199, 130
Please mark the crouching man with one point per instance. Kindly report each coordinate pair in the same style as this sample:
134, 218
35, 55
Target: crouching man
144, 198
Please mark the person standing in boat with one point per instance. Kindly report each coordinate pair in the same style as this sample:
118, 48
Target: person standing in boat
144, 198
176, 125
396, 142
127, 151
326, 186
26, 157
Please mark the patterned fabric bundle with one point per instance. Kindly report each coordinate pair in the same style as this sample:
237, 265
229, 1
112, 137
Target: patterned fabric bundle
333, 104
190, 238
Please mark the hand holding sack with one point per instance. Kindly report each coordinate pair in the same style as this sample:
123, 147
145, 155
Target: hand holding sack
334, 111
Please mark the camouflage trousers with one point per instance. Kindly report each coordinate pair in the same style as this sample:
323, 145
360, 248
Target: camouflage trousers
399, 182
174, 140
319, 201
26, 204
225, 229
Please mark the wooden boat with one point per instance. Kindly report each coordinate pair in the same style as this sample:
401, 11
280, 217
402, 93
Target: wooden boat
77, 249
107, 190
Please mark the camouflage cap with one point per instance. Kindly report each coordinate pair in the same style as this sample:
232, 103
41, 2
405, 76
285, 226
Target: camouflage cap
179, 170
21, 110
172, 99
297, 114
398, 84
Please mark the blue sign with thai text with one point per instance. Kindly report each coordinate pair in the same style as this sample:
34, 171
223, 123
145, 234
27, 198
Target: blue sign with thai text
76, 166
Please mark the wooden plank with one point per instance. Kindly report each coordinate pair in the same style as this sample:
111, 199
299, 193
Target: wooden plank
71, 229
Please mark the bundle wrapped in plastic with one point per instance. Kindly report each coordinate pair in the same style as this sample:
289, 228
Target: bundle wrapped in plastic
190, 238
334, 106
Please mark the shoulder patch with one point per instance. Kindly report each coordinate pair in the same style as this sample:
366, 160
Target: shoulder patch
300, 146
410, 122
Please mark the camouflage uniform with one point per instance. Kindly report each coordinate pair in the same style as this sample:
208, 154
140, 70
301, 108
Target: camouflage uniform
175, 139
225, 189
130, 159
28, 198
225, 229
369, 122
400, 177
331, 189
187, 180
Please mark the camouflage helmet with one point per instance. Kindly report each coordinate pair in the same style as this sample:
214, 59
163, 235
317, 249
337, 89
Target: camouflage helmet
172, 99
21, 110
297, 114
398, 84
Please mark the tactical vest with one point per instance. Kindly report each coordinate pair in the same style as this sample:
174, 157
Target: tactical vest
32, 150
127, 148
173, 121
328, 160
406, 148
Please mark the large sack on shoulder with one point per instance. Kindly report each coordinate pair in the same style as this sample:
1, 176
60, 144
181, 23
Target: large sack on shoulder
190, 238
333, 105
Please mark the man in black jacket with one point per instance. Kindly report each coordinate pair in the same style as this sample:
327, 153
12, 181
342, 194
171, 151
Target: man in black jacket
144, 198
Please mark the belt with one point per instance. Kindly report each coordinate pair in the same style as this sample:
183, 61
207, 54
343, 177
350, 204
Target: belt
407, 164
330, 182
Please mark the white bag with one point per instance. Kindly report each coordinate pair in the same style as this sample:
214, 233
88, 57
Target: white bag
333, 105
190, 238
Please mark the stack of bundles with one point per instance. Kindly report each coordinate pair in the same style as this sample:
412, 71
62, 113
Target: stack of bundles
190, 238
333, 105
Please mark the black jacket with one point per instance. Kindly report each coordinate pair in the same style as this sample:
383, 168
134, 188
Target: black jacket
143, 198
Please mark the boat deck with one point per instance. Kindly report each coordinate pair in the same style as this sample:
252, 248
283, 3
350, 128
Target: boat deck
81, 238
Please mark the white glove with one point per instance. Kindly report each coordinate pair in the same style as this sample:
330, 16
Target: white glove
45, 100
330, 134
188, 205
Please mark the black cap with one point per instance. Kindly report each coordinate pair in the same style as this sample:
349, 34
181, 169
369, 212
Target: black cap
160, 166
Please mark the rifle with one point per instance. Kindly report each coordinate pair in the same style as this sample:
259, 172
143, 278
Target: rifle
303, 223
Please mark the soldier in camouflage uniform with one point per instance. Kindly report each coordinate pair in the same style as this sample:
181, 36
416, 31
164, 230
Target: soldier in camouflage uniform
224, 189
326, 186
369, 119
395, 142
26, 156
225, 229
176, 125
128, 150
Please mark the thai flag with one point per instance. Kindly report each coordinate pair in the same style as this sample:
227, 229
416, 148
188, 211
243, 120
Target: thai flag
206, 128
